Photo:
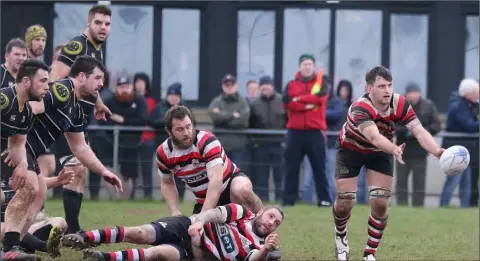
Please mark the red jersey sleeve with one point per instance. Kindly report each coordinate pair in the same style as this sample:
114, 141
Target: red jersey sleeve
210, 149
362, 115
405, 114
162, 161
233, 212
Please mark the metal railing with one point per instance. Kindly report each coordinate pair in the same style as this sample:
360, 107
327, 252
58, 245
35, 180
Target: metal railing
252, 132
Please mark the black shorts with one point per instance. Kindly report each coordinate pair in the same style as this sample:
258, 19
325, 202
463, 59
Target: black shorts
43, 233
174, 231
7, 172
348, 163
224, 197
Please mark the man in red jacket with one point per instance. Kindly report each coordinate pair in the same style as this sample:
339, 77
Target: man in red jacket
305, 100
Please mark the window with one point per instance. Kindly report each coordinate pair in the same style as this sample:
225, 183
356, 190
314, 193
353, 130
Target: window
129, 46
70, 21
358, 45
409, 51
471, 48
255, 46
299, 39
181, 50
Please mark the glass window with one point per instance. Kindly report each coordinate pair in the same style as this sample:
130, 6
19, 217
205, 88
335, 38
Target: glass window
70, 21
298, 39
129, 46
409, 51
181, 50
358, 45
471, 49
255, 46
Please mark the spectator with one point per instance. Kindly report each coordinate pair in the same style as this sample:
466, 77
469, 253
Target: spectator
252, 90
142, 87
462, 116
414, 155
336, 116
267, 113
174, 97
305, 99
128, 109
230, 111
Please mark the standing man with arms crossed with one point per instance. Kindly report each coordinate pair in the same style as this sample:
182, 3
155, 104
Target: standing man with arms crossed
88, 43
367, 140
16, 119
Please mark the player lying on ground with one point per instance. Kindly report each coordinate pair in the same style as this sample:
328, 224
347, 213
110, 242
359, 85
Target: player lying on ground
17, 118
229, 232
367, 140
43, 236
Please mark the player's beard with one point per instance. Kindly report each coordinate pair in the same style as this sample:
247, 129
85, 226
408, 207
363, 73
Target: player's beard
182, 144
32, 96
256, 227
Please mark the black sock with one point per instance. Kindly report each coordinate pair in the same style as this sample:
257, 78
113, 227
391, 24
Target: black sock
32, 243
10, 240
72, 201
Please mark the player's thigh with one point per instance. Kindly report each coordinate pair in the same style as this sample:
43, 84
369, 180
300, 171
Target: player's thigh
166, 252
379, 171
46, 163
347, 167
240, 187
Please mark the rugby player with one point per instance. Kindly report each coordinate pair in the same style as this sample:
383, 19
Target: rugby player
367, 140
199, 160
17, 118
89, 43
36, 39
15, 54
230, 232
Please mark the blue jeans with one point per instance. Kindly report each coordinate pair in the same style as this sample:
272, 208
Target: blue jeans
307, 194
451, 183
268, 156
362, 187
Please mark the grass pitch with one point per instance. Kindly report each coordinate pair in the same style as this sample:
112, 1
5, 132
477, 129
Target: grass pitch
307, 232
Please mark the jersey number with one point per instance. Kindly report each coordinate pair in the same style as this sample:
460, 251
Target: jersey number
226, 239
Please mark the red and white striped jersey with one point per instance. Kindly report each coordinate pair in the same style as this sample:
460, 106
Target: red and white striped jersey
190, 165
234, 239
362, 114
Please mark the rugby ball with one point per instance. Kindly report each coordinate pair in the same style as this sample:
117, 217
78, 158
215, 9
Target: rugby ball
455, 160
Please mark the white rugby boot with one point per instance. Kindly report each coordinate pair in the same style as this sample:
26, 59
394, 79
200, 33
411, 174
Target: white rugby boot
342, 250
369, 258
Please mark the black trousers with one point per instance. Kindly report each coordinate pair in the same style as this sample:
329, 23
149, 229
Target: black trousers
418, 167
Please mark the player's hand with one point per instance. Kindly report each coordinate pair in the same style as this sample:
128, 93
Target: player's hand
113, 180
101, 112
65, 176
398, 153
19, 175
196, 229
8, 160
271, 242
117, 118
439, 152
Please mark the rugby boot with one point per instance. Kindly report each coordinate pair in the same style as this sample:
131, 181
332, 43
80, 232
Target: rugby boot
92, 255
74, 241
342, 250
53, 242
17, 254
369, 258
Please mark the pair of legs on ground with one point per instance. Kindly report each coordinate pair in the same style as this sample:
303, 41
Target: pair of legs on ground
379, 172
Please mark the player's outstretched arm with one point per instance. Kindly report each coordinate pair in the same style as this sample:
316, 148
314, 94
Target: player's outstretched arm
170, 193
426, 140
379, 141
215, 182
270, 243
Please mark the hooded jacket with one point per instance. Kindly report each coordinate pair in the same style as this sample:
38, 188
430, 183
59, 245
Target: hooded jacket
146, 135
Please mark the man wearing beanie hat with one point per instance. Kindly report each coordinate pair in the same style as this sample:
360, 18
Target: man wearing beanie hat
414, 155
36, 39
305, 99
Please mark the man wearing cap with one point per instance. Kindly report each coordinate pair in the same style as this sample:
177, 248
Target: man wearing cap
414, 155
267, 113
230, 111
36, 39
305, 99
129, 109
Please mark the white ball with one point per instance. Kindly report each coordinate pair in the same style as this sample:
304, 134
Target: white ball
455, 160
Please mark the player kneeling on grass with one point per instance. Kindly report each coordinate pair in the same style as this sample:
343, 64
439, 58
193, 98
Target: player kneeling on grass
366, 140
229, 232
42, 236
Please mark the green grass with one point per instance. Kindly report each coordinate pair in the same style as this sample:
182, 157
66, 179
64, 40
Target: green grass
307, 232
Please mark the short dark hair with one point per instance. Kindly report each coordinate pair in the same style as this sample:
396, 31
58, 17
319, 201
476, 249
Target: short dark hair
15, 42
250, 82
29, 68
275, 207
99, 9
178, 112
376, 71
85, 64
